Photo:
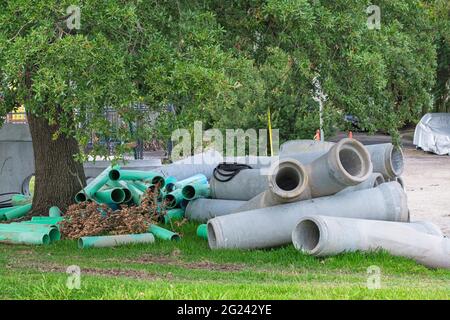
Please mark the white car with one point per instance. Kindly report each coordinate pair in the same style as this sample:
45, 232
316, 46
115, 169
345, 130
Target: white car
433, 133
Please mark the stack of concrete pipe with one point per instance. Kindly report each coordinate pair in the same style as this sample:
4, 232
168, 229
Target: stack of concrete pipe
329, 199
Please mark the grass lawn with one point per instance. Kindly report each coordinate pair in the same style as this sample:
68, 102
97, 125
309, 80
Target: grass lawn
189, 270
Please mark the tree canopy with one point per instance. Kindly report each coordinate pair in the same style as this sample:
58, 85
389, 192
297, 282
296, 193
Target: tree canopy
223, 62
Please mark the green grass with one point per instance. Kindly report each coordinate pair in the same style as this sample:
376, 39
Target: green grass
189, 270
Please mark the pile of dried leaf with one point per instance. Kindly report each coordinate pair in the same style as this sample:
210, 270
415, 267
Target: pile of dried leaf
92, 219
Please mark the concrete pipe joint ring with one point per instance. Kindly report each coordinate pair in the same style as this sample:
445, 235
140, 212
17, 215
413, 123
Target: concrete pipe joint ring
349, 161
288, 179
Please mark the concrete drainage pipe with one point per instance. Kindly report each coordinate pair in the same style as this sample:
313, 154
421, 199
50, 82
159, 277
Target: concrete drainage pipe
326, 235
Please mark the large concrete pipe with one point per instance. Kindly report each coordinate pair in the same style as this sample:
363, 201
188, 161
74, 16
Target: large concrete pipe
387, 159
347, 163
272, 226
245, 185
326, 235
374, 180
202, 210
302, 146
287, 182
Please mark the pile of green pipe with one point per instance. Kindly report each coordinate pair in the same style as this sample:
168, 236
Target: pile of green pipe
14, 212
163, 234
29, 233
113, 241
95, 185
150, 176
173, 199
202, 231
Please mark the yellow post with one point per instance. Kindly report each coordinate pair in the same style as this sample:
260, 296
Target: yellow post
269, 125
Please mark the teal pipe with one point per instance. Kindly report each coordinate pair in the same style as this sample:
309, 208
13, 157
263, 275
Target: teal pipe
123, 186
53, 212
15, 237
202, 231
54, 221
114, 195
17, 212
173, 215
141, 185
136, 194
173, 199
170, 183
95, 185
163, 234
195, 191
20, 200
31, 227
150, 176
198, 178
113, 241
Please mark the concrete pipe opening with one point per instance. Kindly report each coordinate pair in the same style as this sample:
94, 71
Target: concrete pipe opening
306, 236
379, 179
396, 161
353, 160
212, 239
289, 179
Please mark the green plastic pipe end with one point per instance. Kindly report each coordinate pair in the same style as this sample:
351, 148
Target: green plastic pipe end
202, 231
80, 197
114, 175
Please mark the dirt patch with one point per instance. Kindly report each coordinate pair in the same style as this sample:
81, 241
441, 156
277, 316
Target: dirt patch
427, 180
171, 260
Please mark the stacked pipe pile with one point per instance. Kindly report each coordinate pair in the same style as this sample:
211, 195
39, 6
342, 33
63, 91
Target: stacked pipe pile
168, 198
341, 197
37, 231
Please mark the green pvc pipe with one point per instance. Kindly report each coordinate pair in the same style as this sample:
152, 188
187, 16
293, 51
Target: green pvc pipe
163, 234
150, 176
198, 178
195, 191
113, 241
31, 227
16, 237
95, 185
113, 195
17, 212
136, 194
20, 200
173, 199
202, 231
170, 183
47, 220
53, 212
173, 215
123, 186
141, 185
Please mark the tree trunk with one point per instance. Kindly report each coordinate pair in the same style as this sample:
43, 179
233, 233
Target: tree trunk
57, 174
